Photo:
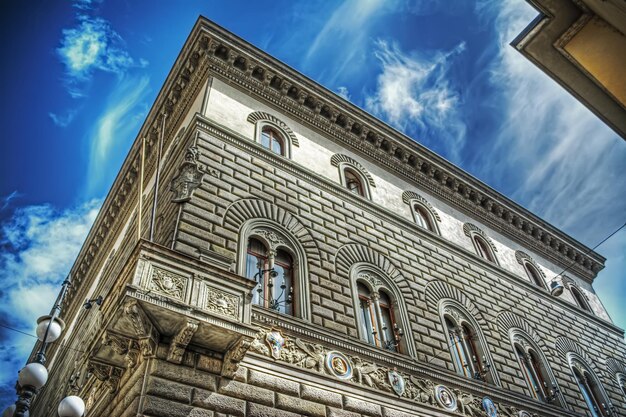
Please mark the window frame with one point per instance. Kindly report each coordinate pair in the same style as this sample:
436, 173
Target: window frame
276, 238
588, 381
364, 188
534, 275
579, 298
483, 246
417, 208
536, 362
375, 282
472, 343
263, 125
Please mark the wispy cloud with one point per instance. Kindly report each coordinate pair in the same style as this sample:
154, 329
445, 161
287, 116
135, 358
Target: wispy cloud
7, 200
414, 94
124, 110
343, 92
345, 34
37, 248
557, 158
63, 120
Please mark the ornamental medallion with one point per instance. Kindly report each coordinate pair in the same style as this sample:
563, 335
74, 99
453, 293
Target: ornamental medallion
276, 341
445, 397
339, 365
397, 382
489, 407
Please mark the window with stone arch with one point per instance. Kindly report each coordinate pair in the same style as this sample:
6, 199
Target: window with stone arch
381, 315
274, 259
533, 271
467, 344
589, 385
534, 367
424, 214
579, 298
273, 134
483, 246
353, 176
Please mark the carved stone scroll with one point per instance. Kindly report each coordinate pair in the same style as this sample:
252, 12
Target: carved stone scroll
180, 341
233, 357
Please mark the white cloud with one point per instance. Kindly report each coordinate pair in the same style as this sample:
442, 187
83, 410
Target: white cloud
39, 245
116, 125
414, 93
343, 92
93, 44
65, 119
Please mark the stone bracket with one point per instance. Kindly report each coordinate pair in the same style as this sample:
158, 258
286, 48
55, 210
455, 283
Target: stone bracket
148, 336
181, 340
109, 374
234, 356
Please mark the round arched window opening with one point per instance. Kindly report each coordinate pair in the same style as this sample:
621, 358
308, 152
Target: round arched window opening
272, 140
422, 218
353, 182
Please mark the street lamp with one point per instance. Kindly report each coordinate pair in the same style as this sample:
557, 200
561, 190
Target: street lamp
32, 377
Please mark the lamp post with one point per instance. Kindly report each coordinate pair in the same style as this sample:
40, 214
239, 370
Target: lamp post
32, 377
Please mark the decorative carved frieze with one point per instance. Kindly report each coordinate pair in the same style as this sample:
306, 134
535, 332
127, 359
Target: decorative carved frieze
316, 358
180, 341
168, 283
222, 303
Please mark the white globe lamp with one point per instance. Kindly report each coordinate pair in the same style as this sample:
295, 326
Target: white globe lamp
33, 375
53, 327
71, 406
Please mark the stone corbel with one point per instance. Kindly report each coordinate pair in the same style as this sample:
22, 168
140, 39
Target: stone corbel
234, 356
180, 341
144, 330
108, 374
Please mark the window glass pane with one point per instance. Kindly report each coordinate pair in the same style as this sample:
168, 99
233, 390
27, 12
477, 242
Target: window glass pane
527, 371
277, 144
387, 331
256, 257
265, 138
534, 275
483, 250
421, 218
353, 183
283, 282
367, 326
456, 348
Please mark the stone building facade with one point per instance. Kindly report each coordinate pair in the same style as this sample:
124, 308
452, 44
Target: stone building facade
409, 288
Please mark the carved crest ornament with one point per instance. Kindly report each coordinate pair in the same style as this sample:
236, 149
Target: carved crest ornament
189, 177
317, 358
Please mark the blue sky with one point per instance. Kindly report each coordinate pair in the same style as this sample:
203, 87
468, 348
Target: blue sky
79, 78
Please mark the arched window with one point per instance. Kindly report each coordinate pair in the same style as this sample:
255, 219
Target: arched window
378, 313
589, 387
353, 175
273, 140
466, 345
276, 263
482, 244
483, 249
579, 298
534, 368
423, 218
353, 182
534, 275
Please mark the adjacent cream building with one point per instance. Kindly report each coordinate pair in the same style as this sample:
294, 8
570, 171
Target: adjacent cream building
269, 249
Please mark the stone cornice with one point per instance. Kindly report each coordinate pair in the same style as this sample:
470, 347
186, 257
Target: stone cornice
244, 66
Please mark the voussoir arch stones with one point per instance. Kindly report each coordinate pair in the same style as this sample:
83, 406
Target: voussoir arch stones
241, 211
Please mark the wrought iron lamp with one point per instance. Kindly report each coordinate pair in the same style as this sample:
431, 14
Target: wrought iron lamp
393, 344
480, 371
34, 375
280, 300
556, 288
552, 393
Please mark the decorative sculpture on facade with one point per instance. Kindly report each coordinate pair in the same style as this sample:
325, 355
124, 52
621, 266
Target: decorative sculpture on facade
189, 177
